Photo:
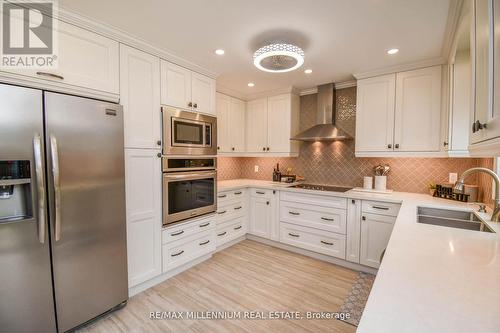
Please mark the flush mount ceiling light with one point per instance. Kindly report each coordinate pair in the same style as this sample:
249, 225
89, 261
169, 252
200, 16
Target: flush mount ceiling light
392, 51
251, 84
278, 58
219, 51
308, 71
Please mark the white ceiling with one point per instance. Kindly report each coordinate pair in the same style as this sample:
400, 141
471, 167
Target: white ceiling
339, 37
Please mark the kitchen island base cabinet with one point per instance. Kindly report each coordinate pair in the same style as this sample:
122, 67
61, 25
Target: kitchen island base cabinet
375, 233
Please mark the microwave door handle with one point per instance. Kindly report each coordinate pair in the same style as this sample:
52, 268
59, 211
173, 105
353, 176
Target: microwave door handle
37, 149
191, 175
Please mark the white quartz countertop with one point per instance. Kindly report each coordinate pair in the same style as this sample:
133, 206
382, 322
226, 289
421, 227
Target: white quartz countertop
432, 278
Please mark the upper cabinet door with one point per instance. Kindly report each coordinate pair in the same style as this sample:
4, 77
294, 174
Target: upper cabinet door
418, 110
279, 122
375, 114
175, 85
236, 125
256, 126
203, 93
140, 97
223, 123
85, 59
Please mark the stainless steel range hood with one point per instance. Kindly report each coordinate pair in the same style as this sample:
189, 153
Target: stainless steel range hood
325, 130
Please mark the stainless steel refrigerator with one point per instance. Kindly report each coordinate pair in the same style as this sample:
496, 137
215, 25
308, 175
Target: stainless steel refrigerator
62, 210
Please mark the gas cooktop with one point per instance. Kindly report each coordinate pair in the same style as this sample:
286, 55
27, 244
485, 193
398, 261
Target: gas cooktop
322, 187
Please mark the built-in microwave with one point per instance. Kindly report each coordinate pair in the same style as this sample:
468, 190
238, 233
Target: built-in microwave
188, 133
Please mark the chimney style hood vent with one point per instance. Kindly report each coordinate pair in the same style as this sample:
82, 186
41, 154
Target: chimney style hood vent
325, 130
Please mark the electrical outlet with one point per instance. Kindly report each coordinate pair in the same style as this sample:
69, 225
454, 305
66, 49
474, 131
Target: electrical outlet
256, 168
452, 177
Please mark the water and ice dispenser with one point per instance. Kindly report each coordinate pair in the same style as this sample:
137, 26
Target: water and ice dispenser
15, 191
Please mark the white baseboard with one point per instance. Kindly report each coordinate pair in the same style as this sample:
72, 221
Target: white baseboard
230, 243
319, 256
163, 277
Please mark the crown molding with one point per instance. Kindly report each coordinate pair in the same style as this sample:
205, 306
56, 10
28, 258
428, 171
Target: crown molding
308, 91
123, 37
274, 92
452, 24
401, 68
231, 92
346, 84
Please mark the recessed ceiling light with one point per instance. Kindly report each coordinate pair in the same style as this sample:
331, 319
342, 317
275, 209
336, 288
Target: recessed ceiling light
219, 52
392, 51
251, 84
308, 71
278, 58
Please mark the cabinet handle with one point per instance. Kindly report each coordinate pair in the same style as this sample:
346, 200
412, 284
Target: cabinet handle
190, 104
159, 155
195, 105
204, 225
267, 148
223, 212
477, 126
222, 234
177, 233
326, 243
218, 148
363, 218
353, 201
55, 76
259, 192
293, 213
221, 196
396, 146
232, 148
381, 208
293, 235
238, 228
177, 254
237, 193
205, 242
445, 144
267, 203
237, 208
389, 146
327, 219
264, 148
158, 142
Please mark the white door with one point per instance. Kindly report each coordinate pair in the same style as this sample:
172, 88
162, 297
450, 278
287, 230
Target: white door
418, 110
260, 217
375, 113
256, 126
223, 123
140, 97
278, 122
203, 93
175, 85
375, 233
143, 193
85, 59
236, 125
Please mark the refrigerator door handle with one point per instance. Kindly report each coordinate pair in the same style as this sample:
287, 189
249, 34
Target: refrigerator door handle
57, 190
37, 150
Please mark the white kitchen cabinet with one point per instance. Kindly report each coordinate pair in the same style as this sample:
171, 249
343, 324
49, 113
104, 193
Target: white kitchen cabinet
84, 60
256, 126
353, 230
270, 123
186, 89
418, 110
140, 97
144, 225
375, 114
230, 124
263, 213
375, 233
399, 113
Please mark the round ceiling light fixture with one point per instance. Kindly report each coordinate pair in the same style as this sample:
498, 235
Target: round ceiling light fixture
278, 58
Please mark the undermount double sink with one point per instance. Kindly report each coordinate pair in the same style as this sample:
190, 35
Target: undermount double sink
451, 218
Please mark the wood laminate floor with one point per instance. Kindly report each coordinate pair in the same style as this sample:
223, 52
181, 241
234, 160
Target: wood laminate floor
248, 276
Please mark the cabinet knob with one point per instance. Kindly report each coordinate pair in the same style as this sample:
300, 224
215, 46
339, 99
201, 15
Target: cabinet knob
363, 218
477, 126
218, 148
159, 154
445, 144
232, 148
267, 203
158, 142
263, 148
195, 105
190, 104
267, 148
389, 146
396, 146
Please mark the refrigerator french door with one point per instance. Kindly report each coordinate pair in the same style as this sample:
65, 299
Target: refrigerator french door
63, 247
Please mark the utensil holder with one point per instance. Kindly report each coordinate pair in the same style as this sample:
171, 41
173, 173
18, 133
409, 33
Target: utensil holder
368, 183
381, 183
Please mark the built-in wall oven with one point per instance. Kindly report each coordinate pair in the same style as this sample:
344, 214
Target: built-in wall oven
188, 133
189, 187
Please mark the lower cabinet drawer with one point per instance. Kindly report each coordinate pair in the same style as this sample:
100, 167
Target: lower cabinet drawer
381, 208
226, 196
230, 211
187, 249
186, 229
326, 218
230, 230
320, 241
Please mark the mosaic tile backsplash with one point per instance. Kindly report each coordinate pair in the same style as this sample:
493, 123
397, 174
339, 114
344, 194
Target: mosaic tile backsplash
334, 162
